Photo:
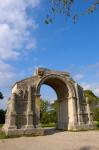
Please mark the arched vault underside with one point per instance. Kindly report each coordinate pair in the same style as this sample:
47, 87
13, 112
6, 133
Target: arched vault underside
23, 108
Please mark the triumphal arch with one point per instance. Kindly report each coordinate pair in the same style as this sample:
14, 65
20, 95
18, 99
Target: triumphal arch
23, 108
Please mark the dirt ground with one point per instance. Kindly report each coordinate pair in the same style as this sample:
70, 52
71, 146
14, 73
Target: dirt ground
86, 140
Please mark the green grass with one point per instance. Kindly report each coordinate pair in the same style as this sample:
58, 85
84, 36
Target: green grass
2, 134
48, 125
97, 125
1, 125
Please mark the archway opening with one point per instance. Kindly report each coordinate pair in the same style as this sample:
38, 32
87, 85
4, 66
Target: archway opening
61, 91
48, 107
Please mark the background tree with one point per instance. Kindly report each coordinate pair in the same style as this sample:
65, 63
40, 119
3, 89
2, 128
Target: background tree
2, 112
1, 96
53, 111
44, 115
94, 102
70, 8
96, 114
93, 99
2, 116
48, 112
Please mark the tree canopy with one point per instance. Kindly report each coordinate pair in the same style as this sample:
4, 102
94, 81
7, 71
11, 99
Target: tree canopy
2, 116
94, 100
71, 8
47, 112
92, 97
1, 96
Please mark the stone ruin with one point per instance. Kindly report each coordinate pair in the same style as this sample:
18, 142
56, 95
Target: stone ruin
23, 108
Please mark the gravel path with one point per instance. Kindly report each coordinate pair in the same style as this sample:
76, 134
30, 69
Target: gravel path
88, 140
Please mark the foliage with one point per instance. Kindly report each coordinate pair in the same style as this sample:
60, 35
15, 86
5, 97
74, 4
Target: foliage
44, 116
44, 105
69, 8
97, 124
94, 102
45, 119
96, 114
47, 112
53, 116
2, 116
55, 105
1, 96
91, 97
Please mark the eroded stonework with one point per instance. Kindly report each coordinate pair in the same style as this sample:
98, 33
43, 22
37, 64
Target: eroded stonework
23, 108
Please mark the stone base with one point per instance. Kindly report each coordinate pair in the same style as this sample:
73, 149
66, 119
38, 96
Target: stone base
61, 126
26, 131
23, 132
81, 127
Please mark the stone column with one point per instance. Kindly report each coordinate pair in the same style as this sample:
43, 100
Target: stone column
37, 111
72, 114
29, 109
62, 120
79, 113
90, 121
11, 115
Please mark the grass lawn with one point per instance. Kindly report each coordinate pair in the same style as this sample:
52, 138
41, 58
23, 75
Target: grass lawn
48, 125
2, 134
1, 125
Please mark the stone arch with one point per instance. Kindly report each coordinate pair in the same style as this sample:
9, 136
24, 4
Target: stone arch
65, 93
68, 84
23, 110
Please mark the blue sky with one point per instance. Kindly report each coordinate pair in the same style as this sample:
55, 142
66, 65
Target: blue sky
26, 43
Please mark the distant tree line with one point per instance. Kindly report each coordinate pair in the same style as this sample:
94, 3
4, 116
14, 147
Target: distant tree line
48, 112
2, 112
1, 96
2, 116
94, 102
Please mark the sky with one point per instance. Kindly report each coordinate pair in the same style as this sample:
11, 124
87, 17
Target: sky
26, 42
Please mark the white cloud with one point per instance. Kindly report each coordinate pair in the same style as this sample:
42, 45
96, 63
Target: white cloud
96, 91
91, 86
16, 37
4, 67
6, 77
14, 27
7, 74
86, 86
78, 76
94, 66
